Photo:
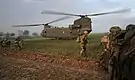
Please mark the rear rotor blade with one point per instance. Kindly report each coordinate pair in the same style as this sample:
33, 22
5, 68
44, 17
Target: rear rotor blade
27, 25
118, 11
63, 18
58, 13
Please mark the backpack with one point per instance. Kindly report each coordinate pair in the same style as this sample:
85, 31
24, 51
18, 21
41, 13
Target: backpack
114, 31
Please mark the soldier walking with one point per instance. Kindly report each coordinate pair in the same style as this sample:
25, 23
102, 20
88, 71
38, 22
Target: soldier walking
83, 43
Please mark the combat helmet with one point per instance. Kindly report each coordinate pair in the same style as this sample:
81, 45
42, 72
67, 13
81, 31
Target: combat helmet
106, 34
115, 29
130, 27
85, 32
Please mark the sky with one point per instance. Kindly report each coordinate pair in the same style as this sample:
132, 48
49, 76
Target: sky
16, 12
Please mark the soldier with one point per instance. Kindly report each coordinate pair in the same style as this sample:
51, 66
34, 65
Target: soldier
4, 42
103, 57
104, 41
123, 50
127, 55
1, 43
114, 48
83, 43
18, 42
18, 39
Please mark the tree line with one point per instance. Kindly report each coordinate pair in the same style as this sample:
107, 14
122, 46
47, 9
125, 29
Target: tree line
21, 33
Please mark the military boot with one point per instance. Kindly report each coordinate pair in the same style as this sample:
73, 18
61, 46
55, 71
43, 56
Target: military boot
83, 53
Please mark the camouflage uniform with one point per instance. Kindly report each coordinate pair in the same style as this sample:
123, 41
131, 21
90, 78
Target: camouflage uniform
4, 42
18, 42
113, 67
122, 60
104, 42
103, 57
83, 43
127, 58
1, 43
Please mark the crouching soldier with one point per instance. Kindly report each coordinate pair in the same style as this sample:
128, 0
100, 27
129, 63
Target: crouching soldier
4, 42
1, 43
18, 43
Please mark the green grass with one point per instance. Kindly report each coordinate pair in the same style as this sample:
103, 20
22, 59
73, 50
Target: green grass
64, 47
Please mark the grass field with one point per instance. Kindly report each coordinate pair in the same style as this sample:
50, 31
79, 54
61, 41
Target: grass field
64, 47
31, 64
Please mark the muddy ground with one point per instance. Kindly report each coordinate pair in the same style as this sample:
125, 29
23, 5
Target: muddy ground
35, 66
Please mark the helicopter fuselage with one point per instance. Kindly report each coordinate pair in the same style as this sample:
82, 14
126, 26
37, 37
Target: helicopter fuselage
59, 33
80, 25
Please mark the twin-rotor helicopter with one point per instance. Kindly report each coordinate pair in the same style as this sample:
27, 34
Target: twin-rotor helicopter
79, 26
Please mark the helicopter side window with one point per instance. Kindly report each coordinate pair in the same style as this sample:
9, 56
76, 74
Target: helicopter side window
78, 25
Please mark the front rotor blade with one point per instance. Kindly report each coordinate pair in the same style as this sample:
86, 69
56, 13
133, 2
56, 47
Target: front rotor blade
58, 13
27, 25
63, 18
118, 11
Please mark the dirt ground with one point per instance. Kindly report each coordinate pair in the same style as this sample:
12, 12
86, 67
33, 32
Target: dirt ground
35, 66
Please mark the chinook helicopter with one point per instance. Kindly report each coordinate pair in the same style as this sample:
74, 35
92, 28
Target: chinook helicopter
78, 27
48, 29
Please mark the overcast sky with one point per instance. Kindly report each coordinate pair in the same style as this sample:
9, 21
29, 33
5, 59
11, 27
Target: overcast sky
14, 12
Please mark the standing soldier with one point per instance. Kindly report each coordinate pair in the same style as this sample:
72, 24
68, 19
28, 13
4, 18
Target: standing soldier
127, 56
114, 47
83, 43
103, 57
104, 41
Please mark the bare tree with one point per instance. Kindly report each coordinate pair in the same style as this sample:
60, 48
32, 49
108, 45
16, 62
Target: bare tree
12, 34
26, 33
1, 34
